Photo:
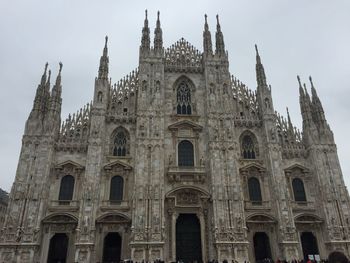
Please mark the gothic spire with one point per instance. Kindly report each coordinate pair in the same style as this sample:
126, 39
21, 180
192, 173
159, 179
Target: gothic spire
219, 41
43, 77
145, 40
260, 71
207, 44
158, 35
104, 60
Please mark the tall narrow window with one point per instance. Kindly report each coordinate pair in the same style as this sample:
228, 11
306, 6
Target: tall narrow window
183, 97
298, 190
254, 190
248, 147
185, 153
116, 191
66, 188
120, 143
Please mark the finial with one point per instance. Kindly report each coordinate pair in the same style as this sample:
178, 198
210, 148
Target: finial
312, 84
205, 17
46, 65
299, 81
217, 19
256, 49
158, 13
61, 65
106, 40
146, 14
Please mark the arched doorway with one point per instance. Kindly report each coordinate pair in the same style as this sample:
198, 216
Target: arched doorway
309, 244
262, 248
112, 248
188, 238
58, 248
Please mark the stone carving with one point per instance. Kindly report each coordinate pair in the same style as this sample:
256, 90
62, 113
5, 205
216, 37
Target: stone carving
187, 198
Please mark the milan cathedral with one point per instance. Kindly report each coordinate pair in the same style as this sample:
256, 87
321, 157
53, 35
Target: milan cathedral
178, 161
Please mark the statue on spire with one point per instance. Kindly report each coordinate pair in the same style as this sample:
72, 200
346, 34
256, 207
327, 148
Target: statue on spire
207, 44
158, 35
220, 45
104, 60
145, 40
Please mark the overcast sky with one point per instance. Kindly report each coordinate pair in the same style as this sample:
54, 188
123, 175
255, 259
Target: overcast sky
294, 37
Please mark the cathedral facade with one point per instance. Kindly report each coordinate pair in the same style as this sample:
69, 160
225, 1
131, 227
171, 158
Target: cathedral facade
179, 160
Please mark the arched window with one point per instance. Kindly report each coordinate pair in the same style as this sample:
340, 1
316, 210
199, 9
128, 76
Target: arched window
183, 97
121, 142
298, 190
185, 153
66, 188
116, 191
254, 190
248, 147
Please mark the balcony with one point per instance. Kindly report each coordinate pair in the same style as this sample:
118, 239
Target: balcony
64, 205
186, 174
108, 205
257, 205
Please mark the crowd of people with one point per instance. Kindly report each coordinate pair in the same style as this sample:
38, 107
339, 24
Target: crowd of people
334, 257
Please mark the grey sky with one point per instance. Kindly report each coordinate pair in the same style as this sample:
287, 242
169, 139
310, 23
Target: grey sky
294, 37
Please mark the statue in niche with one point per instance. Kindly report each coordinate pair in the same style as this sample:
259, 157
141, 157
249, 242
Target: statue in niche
171, 161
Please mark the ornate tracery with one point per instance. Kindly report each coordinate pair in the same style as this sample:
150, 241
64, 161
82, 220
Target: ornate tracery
183, 97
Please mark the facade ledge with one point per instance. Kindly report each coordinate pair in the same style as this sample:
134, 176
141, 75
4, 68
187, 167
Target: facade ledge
257, 205
186, 174
108, 205
63, 205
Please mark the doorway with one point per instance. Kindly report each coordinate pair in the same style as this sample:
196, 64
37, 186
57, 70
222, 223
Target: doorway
309, 244
112, 248
188, 239
58, 248
262, 248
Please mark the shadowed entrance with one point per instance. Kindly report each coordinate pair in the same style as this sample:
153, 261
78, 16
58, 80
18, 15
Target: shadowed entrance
261, 246
188, 238
58, 249
112, 248
309, 244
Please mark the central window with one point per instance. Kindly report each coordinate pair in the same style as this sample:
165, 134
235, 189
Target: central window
185, 153
183, 97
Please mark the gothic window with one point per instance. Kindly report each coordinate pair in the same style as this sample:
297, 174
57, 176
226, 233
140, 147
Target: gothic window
248, 147
183, 97
298, 190
116, 190
66, 188
185, 153
254, 190
121, 142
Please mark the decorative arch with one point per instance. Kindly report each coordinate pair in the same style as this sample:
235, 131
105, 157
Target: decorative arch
60, 218
201, 191
249, 145
184, 88
307, 218
120, 142
113, 217
260, 218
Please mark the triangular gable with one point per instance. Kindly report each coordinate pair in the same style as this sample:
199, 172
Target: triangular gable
109, 166
67, 163
297, 166
185, 124
258, 166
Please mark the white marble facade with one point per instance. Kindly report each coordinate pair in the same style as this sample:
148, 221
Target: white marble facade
191, 144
